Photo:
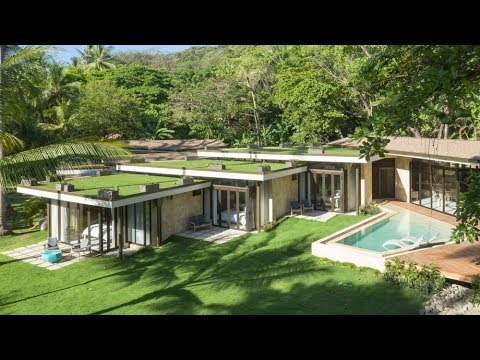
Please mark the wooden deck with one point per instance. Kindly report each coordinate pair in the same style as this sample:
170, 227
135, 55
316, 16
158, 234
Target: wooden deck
456, 261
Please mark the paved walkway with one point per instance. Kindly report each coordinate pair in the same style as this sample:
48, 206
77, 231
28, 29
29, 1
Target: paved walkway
32, 254
316, 215
215, 234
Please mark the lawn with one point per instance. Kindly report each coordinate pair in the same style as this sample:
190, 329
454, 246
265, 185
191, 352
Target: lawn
264, 273
230, 165
128, 184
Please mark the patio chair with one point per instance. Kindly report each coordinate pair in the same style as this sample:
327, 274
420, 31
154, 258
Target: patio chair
52, 243
83, 246
307, 205
295, 208
199, 222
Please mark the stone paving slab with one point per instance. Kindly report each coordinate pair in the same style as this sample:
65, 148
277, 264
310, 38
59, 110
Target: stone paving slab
316, 215
217, 235
32, 254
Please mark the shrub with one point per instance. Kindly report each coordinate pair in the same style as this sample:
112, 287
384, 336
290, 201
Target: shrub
268, 226
425, 278
370, 209
476, 289
33, 208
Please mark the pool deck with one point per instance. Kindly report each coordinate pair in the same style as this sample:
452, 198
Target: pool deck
456, 261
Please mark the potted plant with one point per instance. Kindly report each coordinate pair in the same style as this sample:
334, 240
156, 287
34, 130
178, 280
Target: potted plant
185, 180
102, 172
263, 168
108, 194
291, 163
315, 148
67, 187
53, 177
29, 182
216, 166
149, 187
137, 159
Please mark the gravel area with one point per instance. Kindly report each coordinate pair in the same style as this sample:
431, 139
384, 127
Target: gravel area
452, 300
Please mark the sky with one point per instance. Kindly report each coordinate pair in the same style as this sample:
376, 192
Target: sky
65, 52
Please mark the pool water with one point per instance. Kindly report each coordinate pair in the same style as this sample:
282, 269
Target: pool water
398, 226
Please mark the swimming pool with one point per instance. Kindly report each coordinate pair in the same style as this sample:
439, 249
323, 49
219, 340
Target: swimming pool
403, 223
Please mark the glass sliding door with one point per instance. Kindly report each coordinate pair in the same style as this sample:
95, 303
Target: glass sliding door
425, 185
329, 189
451, 191
438, 196
233, 207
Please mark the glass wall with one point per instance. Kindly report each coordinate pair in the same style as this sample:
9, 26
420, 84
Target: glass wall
437, 185
328, 189
233, 207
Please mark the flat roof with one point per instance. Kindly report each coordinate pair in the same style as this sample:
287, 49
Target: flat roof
296, 150
230, 165
86, 189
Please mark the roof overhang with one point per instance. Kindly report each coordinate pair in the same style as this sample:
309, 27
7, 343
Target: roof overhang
127, 200
449, 159
213, 174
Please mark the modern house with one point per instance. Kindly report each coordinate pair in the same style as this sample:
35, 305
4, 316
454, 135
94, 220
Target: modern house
246, 188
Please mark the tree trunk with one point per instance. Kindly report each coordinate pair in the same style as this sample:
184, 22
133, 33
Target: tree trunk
3, 225
445, 131
256, 117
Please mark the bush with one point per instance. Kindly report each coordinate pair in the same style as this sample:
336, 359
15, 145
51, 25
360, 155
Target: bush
370, 209
35, 207
476, 289
425, 278
268, 226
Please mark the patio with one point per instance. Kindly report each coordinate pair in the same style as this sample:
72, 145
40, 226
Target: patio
316, 215
32, 254
215, 234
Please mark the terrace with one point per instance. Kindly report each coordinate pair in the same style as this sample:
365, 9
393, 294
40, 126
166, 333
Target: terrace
232, 169
301, 153
128, 186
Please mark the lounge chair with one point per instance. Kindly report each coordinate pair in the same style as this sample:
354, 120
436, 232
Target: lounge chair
52, 243
295, 208
408, 242
307, 205
83, 246
199, 222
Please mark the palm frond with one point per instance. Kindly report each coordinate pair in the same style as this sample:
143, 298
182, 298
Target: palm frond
39, 162
25, 53
10, 142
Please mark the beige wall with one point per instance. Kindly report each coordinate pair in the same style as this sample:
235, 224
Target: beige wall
284, 190
402, 178
175, 212
366, 183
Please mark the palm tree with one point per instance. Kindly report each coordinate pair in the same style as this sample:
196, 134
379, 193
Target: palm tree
96, 57
40, 161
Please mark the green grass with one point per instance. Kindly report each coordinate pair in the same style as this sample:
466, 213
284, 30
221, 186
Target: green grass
299, 150
264, 273
230, 165
128, 184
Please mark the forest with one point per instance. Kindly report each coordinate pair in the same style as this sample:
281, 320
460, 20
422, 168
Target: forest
265, 94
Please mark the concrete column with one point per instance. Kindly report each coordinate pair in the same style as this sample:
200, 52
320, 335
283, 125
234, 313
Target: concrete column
402, 178
366, 183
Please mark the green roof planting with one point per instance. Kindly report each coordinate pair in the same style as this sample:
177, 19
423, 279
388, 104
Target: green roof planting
230, 165
297, 150
128, 184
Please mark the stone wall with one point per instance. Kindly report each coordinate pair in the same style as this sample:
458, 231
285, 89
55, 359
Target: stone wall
176, 212
402, 178
366, 183
284, 190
